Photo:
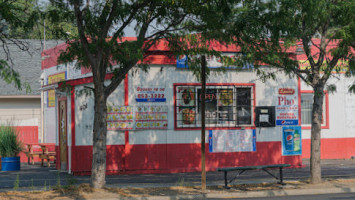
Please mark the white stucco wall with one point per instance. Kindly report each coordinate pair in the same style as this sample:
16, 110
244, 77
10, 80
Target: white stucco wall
341, 109
166, 76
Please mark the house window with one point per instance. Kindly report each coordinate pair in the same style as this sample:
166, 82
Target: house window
307, 106
225, 106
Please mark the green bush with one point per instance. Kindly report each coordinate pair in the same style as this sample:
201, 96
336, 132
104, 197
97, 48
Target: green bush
10, 145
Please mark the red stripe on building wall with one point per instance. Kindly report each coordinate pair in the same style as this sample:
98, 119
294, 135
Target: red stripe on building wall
174, 158
50, 56
331, 148
27, 135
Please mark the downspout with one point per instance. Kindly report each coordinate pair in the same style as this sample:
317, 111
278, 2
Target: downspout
41, 139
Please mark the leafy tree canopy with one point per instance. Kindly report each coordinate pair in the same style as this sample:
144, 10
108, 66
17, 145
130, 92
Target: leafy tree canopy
267, 30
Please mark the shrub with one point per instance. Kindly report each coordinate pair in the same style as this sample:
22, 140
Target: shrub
10, 145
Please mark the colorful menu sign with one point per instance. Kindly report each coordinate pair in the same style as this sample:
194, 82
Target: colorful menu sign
291, 140
55, 78
287, 107
232, 141
151, 117
150, 94
120, 118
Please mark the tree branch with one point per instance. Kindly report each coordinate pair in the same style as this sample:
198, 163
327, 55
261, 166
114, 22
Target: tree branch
83, 39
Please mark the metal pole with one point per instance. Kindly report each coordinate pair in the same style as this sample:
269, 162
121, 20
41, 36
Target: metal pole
203, 127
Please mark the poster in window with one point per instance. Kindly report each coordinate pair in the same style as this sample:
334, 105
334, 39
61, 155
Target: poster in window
232, 141
188, 116
225, 106
119, 117
210, 105
186, 96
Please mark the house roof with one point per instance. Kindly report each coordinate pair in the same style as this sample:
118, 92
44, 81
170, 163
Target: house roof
27, 64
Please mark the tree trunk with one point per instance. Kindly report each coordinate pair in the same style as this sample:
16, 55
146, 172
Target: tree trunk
98, 171
316, 173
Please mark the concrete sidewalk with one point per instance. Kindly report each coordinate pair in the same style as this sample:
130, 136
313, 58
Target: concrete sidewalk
34, 177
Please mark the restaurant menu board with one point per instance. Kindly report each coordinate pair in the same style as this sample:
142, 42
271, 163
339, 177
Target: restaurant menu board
151, 117
232, 141
120, 118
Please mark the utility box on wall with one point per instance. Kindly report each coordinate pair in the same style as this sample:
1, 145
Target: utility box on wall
265, 116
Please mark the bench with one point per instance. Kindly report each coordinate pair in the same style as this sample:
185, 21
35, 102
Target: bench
241, 170
32, 151
47, 155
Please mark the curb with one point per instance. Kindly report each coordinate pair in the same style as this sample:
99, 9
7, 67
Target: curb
253, 194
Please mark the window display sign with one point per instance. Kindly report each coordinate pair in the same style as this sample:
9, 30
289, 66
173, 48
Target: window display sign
232, 140
287, 107
291, 140
120, 118
152, 117
150, 94
225, 106
210, 105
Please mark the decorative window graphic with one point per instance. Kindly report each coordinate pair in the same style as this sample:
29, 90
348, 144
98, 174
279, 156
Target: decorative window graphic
225, 106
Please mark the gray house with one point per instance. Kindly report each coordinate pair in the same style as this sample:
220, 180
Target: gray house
20, 108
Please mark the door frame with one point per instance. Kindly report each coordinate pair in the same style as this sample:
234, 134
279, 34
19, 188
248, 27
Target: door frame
58, 160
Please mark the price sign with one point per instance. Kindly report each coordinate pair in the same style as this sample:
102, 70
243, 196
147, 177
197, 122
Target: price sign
150, 94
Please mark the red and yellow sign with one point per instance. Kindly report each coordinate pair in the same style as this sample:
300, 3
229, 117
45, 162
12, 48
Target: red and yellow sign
51, 98
55, 78
341, 67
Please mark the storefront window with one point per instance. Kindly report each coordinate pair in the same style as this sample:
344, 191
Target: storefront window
307, 106
226, 106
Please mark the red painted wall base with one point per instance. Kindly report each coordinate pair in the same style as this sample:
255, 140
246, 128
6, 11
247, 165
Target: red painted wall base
175, 158
27, 135
332, 148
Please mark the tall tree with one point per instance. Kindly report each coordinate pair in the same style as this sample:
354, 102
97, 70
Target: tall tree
101, 24
267, 29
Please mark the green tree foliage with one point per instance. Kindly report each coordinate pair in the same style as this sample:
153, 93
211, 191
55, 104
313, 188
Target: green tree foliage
13, 14
266, 30
42, 28
101, 25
